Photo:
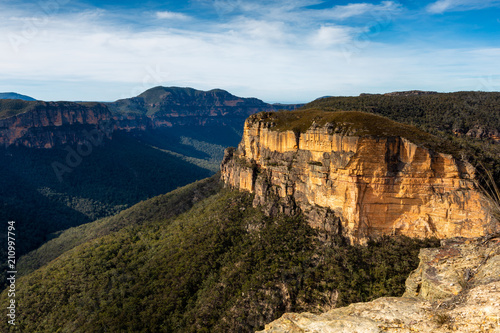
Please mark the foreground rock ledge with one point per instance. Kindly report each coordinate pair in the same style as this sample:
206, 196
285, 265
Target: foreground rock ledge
456, 288
347, 179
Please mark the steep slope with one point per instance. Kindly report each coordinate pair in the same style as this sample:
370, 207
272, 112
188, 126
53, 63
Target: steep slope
158, 208
357, 174
222, 266
13, 95
113, 176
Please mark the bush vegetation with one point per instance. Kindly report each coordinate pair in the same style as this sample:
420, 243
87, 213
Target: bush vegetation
158, 208
222, 266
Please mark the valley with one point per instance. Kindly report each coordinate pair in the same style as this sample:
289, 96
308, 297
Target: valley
136, 216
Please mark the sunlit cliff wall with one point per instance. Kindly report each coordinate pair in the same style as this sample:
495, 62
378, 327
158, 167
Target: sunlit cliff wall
360, 186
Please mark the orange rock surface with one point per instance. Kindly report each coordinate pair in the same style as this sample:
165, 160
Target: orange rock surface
361, 186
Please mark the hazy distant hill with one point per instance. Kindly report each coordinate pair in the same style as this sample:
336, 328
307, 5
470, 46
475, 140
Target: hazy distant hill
188, 102
12, 95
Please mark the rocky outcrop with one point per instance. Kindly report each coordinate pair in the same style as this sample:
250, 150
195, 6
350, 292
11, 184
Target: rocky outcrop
49, 124
347, 180
456, 288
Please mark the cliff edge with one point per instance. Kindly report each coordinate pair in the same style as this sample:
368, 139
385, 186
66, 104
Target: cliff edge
356, 174
456, 288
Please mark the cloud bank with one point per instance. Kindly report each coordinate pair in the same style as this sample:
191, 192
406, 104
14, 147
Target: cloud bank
283, 51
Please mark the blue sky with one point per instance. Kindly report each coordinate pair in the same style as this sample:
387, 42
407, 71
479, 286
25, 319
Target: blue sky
278, 51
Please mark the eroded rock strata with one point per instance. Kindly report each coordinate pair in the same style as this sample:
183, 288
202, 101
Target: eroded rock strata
348, 180
48, 124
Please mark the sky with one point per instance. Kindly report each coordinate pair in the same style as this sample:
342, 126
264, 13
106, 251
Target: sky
288, 51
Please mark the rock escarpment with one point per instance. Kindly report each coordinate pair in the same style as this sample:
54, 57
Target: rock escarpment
356, 174
45, 124
456, 288
38, 124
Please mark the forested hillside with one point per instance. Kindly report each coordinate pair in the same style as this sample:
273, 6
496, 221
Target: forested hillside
222, 266
116, 175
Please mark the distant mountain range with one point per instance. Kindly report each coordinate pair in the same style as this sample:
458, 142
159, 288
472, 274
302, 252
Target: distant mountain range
69, 163
22, 122
187, 102
12, 95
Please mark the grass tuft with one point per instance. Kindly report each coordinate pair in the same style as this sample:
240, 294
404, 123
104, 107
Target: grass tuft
490, 190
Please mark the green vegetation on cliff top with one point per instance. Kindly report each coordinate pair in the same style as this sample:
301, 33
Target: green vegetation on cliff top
458, 112
354, 123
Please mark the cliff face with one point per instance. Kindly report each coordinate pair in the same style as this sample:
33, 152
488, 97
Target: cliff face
358, 185
47, 124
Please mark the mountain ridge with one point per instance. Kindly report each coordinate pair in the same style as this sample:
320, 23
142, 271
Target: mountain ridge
13, 95
21, 122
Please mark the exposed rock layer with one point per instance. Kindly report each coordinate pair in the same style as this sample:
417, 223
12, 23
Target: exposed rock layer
363, 186
459, 291
48, 124
40, 124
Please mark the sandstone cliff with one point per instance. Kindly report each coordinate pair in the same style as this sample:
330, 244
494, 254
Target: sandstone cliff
38, 124
456, 288
45, 124
357, 174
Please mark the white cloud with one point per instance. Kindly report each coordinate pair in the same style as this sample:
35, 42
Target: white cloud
358, 9
171, 16
282, 54
442, 6
332, 35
